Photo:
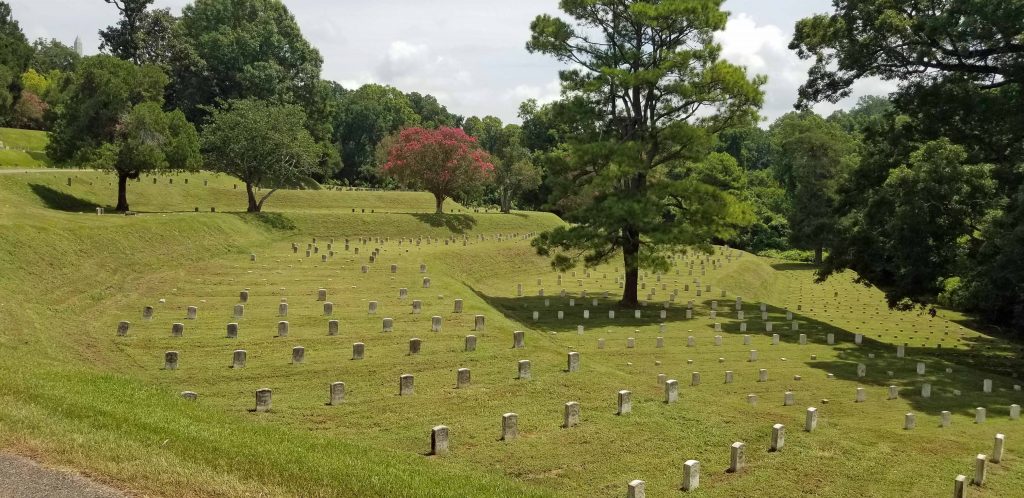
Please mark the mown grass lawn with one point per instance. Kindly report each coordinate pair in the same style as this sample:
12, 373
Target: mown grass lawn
73, 393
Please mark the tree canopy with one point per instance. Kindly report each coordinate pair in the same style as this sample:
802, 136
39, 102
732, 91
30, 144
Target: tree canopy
263, 144
514, 168
241, 49
445, 162
812, 159
960, 69
650, 92
111, 117
52, 55
911, 41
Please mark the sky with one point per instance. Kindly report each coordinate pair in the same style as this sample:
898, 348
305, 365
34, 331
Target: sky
470, 54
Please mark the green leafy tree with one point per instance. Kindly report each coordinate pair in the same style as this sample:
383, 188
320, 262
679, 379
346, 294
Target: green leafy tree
52, 55
812, 159
240, 49
993, 283
93, 111
718, 170
911, 41
34, 82
364, 118
649, 92
432, 114
265, 145
750, 146
770, 204
869, 109
142, 36
922, 224
15, 54
514, 170
540, 129
444, 161
147, 139
959, 66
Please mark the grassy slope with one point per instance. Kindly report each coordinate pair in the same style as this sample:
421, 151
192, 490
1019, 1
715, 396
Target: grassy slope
73, 394
25, 148
30, 140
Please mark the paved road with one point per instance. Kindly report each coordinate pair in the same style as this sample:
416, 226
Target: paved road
23, 478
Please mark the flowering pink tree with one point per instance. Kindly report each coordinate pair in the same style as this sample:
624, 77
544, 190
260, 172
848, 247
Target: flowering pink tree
445, 162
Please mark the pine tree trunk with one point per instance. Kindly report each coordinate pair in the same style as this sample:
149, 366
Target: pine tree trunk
122, 192
254, 207
631, 260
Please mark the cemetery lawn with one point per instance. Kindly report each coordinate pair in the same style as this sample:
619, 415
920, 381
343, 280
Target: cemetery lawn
23, 148
74, 394
32, 140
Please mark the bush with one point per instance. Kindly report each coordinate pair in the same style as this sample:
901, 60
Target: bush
789, 255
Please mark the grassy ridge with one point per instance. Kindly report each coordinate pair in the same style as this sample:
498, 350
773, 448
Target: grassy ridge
73, 393
23, 148
27, 140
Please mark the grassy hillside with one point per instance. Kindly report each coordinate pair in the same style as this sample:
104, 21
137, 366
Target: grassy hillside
30, 140
23, 148
73, 393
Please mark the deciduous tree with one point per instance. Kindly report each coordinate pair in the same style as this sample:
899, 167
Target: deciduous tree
241, 49
147, 139
364, 118
15, 55
265, 145
445, 162
52, 55
93, 111
812, 159
142, 36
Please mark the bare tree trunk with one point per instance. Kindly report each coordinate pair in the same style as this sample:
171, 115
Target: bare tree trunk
506, 202
631, 263
259, 205
254, 207
439, 200
122, 191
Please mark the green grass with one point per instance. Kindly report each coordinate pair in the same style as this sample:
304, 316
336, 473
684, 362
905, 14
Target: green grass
29, 140
22, 159
74, 394
23, 148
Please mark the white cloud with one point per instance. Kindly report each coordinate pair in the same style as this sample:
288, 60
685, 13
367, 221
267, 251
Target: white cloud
471, 56
416, 67
764, 49
541, 93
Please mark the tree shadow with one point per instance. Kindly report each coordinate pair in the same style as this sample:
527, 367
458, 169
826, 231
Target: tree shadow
521, 309
794, 266
972, 359
62, 201
274, 221
455, 223
40, 156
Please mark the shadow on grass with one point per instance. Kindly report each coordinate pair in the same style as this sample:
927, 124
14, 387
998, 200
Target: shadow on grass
456, 223
273, 221
794, 266
62, 201
40, 156
985, 357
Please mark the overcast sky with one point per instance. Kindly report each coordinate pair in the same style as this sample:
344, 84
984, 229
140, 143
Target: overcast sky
468, 53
